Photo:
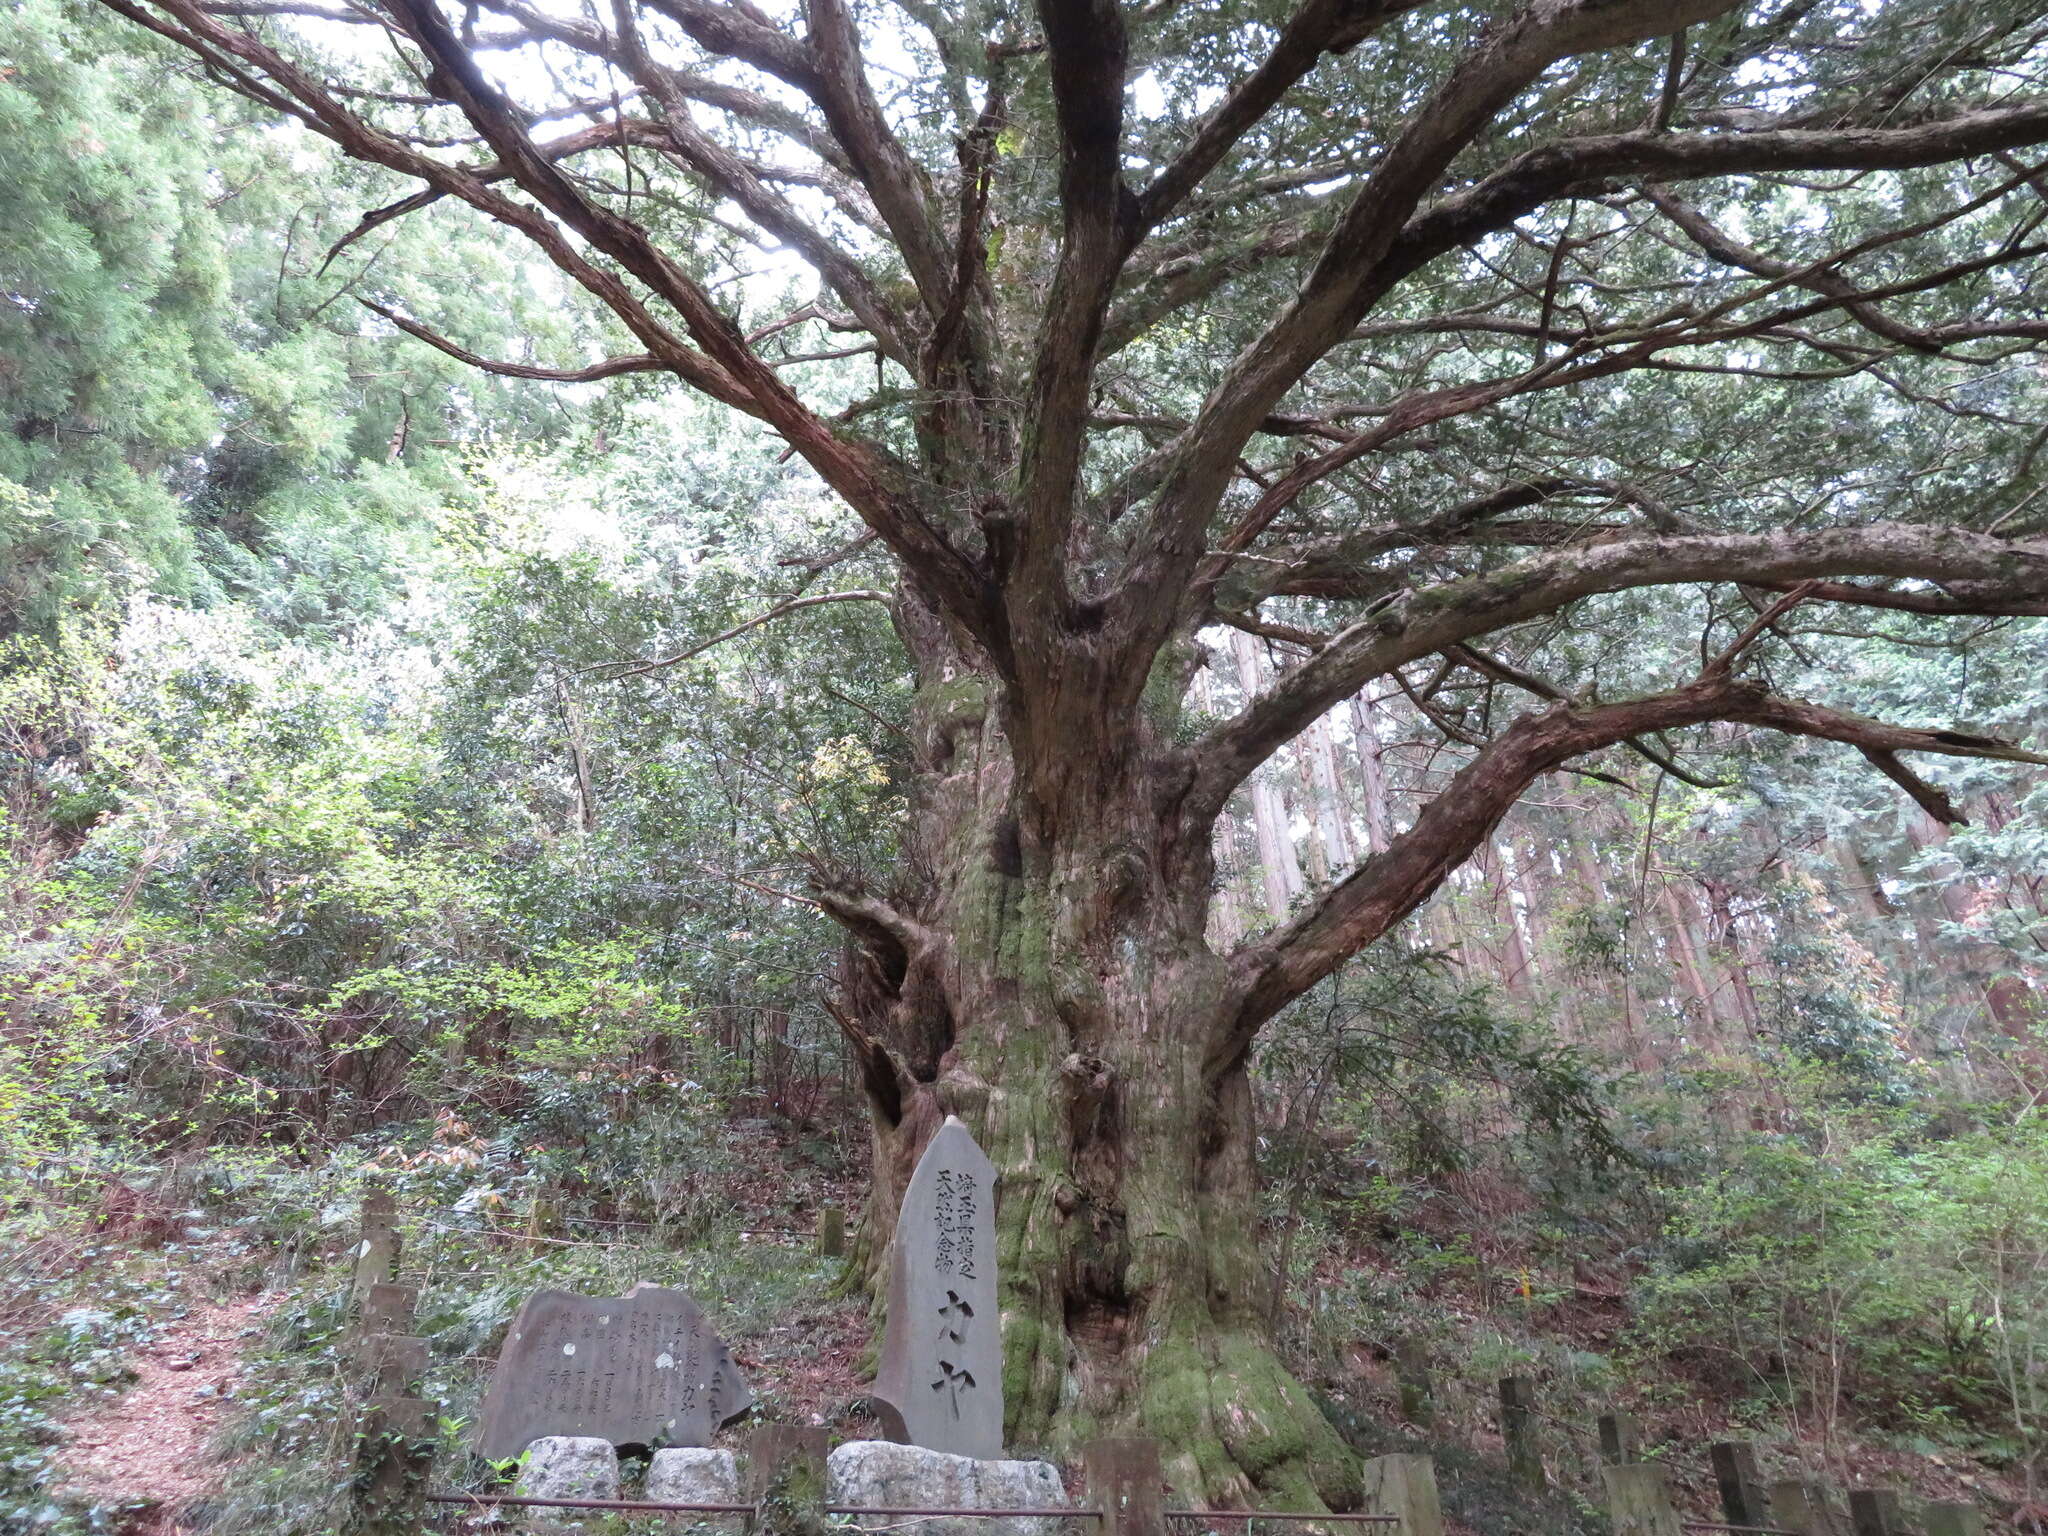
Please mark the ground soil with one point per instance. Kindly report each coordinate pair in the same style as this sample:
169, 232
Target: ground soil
149, 1447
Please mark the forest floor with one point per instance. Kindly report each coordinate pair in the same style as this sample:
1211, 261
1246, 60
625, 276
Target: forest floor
193, 1378
150, 1449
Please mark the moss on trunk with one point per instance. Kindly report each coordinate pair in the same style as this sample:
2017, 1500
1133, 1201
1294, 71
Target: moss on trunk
1067, 1010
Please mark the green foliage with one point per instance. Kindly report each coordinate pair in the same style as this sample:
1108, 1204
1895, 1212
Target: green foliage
1873, 1264
193, 404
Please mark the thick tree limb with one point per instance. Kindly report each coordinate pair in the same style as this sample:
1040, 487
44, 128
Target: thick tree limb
598, 136
900, 189
1506, 672
1931, 798
261, 73
1274, 970
867, 483
1973, 567
733, 178
1574, 166
1087, 51
1829, 281
1340, 286
1319, 27
1354, 272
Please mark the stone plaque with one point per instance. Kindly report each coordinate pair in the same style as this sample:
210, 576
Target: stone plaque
643, 1369
942, 1355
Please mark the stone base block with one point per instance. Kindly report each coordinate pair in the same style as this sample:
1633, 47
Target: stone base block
567, 1467
882, 1474
694, 1475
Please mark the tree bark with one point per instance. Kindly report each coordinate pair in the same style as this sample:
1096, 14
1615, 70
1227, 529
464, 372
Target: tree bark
1050, 981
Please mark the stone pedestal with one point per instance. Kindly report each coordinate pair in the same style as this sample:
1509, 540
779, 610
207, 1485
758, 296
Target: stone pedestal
695, 1475
882, 1474
567, 1467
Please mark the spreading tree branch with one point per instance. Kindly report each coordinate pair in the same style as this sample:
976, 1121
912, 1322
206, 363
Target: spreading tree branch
1994, 573
1271, 971
609, 368
614, 671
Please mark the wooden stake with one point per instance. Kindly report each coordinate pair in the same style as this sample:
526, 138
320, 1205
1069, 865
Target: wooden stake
1126, 1484
1875, 1512
1621, 1440
393, 1362
377, 1254
1418, 1393
1743, 1500
786, 1481
387, 1308
1518, 1430
1404, 1487
1639, 1502
1952, 1519
394, 1451
1802, 1508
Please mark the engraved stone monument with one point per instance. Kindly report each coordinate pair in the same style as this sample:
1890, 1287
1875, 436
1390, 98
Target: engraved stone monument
643, 1369
942, 1356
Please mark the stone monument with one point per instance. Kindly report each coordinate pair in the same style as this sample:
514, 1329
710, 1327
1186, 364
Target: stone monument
641, 1370
941, 1374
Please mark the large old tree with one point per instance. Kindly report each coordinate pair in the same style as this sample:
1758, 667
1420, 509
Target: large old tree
1406, 336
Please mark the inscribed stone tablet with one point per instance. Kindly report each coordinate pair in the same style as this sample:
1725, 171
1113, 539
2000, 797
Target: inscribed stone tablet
643, 1369
942, 1356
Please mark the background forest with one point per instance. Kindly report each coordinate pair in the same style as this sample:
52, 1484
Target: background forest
349, 833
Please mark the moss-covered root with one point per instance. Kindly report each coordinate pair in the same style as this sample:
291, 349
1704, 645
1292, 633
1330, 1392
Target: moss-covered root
1237, 1428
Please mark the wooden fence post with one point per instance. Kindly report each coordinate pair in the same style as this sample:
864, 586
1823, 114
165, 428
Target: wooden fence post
386, 1308
394, 1443
1126, 1484
1952, 1519
1875, 1512
1621, 1439
1743, 1499
1639, 1502
786, 1481
393, 1363
1518, 1432
1404, 1487
831, 1232
377, 1252
394, 1453
1802, 1508
1418, 1392
543, 1218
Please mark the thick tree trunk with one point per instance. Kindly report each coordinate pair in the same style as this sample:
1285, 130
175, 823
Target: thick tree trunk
1050, 982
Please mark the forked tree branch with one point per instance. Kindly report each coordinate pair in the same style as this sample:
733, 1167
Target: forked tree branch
1087, 52
1341, 285
1320, 27
732, 177
1272, 971
1355, 272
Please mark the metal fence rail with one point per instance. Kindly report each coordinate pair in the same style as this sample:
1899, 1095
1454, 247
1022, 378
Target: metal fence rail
659, 1506
1042, 1512
623, 1506
1274, 1514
